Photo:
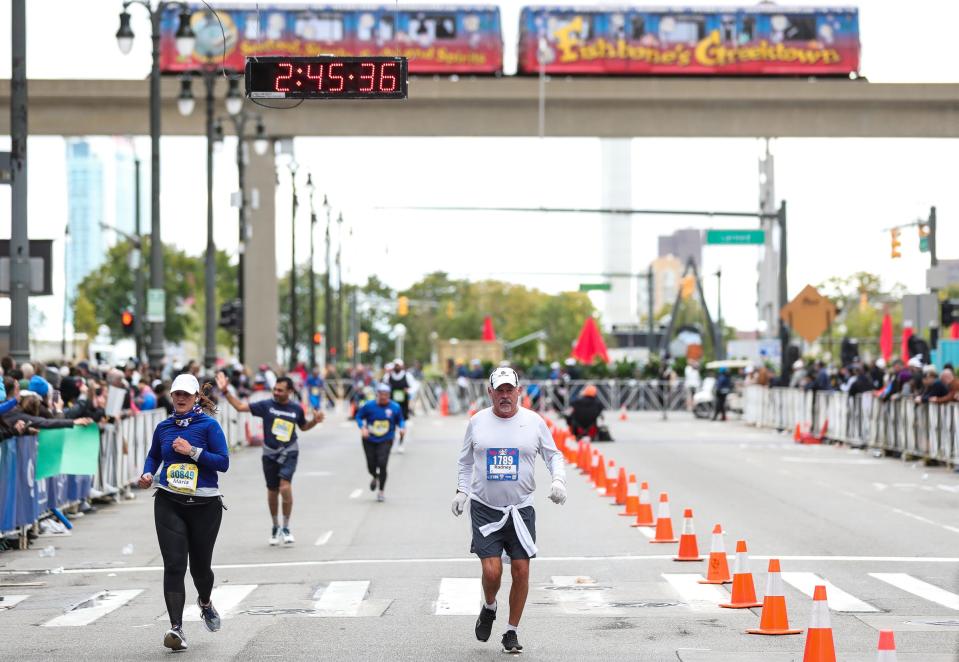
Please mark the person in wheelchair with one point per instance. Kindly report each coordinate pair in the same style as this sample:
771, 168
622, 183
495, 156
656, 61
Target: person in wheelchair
584, 414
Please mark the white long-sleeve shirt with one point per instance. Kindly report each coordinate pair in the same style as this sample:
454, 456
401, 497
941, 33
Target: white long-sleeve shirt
498, 459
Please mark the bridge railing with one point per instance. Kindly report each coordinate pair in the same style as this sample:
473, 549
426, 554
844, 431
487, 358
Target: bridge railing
898, 425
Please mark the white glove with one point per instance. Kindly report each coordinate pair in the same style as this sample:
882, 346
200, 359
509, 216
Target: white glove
557, 493
459, 502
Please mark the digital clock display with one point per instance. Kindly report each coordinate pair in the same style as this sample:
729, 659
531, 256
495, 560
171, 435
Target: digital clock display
326, 77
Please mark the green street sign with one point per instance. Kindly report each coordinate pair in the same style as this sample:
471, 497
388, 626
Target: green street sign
156, 305
735, 237
595, 287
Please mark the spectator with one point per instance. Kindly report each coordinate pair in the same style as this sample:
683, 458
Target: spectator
933, 388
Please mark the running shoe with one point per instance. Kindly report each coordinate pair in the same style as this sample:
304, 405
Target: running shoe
373, 484
484, 624
209, 615
511, 642
174, 639
275, 537
287, 536
380, 497
400, 449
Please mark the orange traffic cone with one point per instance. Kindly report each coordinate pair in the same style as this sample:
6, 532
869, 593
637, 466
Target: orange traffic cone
688, 547
609, 490
887, 646
472, 410
621, 487
718, 572
622, 413
444, 404
797, 435
527, 402
632, 498
599, 472
819, 644
774, 620
586, 459
645, 515
664, 523
744, 590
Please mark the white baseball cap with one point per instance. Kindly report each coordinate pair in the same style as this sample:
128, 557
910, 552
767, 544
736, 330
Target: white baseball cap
503, 375
186, 383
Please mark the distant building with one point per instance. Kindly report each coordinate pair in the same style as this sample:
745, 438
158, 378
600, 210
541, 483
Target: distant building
667, 272
85, 249
125, 187
685, 245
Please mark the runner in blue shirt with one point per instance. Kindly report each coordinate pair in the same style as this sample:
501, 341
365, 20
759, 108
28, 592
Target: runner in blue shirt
281, 416
314, 389
379, 421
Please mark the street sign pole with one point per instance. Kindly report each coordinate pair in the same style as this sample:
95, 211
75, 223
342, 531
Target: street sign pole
784, 366
19, 233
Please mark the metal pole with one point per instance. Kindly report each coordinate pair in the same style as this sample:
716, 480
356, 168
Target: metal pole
327, 291
720, 350
933, 258
338, 322
649, 308
155, 350
19, 233
138, 276
354, 330
241, 246
66, 292
312, 282
209, 286
293, 311
785, 367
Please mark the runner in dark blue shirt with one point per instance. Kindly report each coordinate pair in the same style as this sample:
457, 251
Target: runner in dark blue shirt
379, 421
281, 416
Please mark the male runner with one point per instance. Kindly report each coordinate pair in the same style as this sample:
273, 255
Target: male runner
280, 450
496, 468
379, 421
399, 384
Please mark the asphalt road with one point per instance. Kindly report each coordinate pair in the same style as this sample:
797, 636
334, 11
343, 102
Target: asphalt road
395, 581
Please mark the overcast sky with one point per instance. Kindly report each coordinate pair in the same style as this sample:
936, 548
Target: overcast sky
841, 193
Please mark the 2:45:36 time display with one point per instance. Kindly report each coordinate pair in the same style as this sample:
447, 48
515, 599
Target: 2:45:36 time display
327, 77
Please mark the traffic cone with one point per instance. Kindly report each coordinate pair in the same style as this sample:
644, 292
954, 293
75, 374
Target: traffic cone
609, 489
645, 515
632, 498
585, 458
444, 404
718, 572
622, 413
887, 646
527, 402
472, 410
774, 620
819, 643
664, 523
688, 547
621, 487
744, 590
599, 472
797, 435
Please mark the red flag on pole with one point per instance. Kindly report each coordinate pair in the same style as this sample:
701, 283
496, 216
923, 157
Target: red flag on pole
906, 335
590, 343
489, 335
954, 331
885, 337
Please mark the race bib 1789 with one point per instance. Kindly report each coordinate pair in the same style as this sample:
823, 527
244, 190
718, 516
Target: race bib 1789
502, 464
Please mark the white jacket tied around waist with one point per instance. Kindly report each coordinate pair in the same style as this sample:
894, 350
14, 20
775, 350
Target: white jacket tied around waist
520, 437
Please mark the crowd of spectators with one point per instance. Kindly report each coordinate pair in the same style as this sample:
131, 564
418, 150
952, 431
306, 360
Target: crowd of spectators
914, 379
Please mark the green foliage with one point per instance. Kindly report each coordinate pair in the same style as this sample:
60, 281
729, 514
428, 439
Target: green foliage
861, 304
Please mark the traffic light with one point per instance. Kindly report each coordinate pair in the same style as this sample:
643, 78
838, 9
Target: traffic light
923, 237
317, 338
687, 286
450, 309
126, 321
896, 244
364, 341
231, 315
403, 306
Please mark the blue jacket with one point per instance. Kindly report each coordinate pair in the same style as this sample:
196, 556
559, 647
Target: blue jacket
381, 421
202, 432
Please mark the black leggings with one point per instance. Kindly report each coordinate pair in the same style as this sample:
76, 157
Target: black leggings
377, 455
186, 530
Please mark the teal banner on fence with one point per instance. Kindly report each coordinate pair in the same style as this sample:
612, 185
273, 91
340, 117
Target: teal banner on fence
73, 450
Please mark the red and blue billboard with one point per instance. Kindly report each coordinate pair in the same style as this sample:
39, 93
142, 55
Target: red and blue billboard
757, 41
436, 40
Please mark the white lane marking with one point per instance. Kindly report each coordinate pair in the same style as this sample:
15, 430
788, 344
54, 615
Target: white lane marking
699, 597
325, 538
924, 590
355, 494
898, 511
341, 598
838, 599
97, 605
545, 559
648, 532
459, 596
314, 473
827, 460
11, 601
225, 598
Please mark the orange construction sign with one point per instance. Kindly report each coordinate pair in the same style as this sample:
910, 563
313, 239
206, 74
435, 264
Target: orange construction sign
809, 314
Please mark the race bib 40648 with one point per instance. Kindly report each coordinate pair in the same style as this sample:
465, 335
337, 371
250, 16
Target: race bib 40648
502, 464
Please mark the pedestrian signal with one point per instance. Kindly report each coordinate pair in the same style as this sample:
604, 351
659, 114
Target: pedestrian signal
896, 243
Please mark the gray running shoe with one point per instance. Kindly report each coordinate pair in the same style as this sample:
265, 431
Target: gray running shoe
174, 639
511, 642
484, 624
209, 615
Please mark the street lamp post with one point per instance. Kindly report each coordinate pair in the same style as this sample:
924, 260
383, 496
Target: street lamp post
185, 40
720, 350
327, 289
339, 285
138, 276
311, 189
293, 309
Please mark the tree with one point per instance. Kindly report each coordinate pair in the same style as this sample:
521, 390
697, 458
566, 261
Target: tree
861, 303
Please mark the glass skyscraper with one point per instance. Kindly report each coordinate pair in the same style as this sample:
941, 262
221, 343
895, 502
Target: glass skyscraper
86, 247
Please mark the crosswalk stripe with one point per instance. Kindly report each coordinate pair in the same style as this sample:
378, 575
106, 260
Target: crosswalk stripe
459, 596
225, 598
11, 601
341, 598
355, 494
325, 538
838, 599
590, 601
699, 597
924, 590
97, 605
648, 532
